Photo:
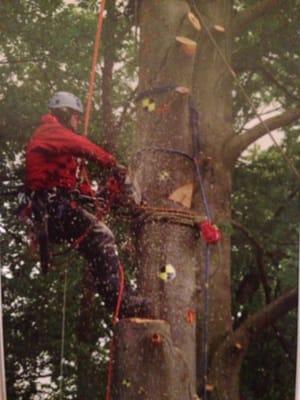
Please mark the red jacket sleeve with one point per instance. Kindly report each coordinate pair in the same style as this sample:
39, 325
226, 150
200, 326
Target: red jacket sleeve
58, 140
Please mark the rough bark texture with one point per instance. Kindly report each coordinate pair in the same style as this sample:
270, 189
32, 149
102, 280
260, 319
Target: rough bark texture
164, 62
212, 88
149, 366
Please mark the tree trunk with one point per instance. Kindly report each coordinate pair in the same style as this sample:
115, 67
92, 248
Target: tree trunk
166, 60
212, 91
149, 366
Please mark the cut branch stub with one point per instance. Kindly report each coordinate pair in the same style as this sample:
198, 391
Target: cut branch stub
190, 26
149, 366
182, 90
187, 45
219, 28
194, 21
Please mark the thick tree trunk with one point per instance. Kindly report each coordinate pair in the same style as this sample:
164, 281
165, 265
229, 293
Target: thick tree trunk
212, 91
149, 366
166, 59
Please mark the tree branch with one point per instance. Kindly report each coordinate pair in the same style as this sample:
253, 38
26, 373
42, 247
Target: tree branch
239, 143
269, 75
249, 284
264, 318
234, 348
259, 255
256, 323
251, 14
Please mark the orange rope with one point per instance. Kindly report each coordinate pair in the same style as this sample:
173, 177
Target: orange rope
93, 69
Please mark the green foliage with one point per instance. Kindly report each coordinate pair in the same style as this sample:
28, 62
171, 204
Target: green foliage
265, 264
48, 46
267, 58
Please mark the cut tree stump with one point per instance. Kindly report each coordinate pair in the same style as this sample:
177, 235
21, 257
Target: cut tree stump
149, 366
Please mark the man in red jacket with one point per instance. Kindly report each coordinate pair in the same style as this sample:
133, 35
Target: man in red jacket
52, 172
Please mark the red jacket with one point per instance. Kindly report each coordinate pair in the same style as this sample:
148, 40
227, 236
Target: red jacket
52, 152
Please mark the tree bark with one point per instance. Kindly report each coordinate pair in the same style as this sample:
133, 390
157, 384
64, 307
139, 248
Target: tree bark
149, 366
212, 88
163, 62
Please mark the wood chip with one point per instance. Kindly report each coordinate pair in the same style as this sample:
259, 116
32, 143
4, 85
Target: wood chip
183, 195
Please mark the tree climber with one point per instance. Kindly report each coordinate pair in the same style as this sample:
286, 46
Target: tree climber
52, 171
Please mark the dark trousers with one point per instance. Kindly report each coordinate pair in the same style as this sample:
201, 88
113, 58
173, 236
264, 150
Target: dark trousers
70, 222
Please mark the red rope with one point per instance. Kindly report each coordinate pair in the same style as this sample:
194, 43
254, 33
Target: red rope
112, 343
120, 294
93, 69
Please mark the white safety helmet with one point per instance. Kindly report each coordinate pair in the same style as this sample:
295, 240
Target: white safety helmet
68, 100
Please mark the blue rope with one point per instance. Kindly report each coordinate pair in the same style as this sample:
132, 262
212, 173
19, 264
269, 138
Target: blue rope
196, 132
202, 190
206, 315
206, 284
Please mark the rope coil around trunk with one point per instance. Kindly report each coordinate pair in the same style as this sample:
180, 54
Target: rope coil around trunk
205, 346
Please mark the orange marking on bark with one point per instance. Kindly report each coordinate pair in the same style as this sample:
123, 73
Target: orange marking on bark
191, 316
156, 339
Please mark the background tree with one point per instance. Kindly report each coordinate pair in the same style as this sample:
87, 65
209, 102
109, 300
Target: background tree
48, 46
